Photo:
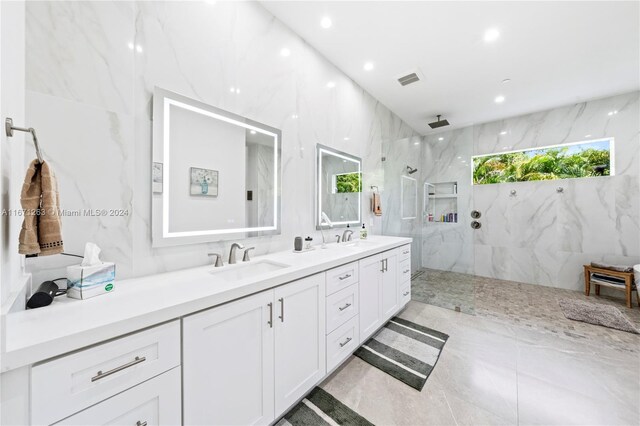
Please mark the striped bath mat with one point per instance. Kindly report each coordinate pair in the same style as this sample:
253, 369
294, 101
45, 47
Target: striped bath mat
404, 350
319, 408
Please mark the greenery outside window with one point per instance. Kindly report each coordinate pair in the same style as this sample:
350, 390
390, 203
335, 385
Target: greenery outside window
565, 161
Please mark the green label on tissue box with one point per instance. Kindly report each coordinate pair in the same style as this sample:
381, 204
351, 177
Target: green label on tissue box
109, 287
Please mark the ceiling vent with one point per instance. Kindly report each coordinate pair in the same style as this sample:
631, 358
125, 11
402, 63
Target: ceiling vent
408, 79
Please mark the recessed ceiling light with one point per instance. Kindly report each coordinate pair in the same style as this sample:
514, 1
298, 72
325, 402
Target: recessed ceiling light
331, 85
506, 80
440, 139
131, 45
491, 35
612, 112
237, 90
138, 48
285, 52
294, 116
499, 99
459, 158
346, 138
504, 132
587, 136
416, 143
368, 66
326, 22
253, 132
232, 89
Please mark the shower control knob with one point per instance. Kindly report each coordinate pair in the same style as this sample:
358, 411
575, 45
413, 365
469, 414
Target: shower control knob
475, 224
475, 214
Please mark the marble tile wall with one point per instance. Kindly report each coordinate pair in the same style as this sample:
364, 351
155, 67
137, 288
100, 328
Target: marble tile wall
540, 236
91, 68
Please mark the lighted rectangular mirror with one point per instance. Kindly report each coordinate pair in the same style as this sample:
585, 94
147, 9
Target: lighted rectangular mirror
216, 175
338, 187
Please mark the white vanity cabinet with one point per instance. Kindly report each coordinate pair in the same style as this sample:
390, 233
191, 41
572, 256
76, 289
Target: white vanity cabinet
247, 361
385, 288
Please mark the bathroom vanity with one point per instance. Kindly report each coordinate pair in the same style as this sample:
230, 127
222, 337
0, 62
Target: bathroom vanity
239, 344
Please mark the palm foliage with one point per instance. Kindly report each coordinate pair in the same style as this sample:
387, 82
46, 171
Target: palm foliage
348, 182
548, 164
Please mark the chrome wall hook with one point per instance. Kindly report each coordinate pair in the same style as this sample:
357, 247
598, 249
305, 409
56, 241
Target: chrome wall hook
513, 192
559, 189
9, 128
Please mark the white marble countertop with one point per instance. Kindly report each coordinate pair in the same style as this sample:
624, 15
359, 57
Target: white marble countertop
137, 303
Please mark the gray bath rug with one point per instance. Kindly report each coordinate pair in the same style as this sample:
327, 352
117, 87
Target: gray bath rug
597, 314
320, 408
404, 350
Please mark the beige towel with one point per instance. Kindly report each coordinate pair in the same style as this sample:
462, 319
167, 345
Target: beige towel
41, 231
375, 204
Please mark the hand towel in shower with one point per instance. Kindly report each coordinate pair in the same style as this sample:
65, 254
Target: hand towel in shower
41, 231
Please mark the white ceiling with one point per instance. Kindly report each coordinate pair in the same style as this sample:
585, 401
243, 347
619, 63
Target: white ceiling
555, 53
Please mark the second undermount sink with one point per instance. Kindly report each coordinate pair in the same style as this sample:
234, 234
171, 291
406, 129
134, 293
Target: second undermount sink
246, 270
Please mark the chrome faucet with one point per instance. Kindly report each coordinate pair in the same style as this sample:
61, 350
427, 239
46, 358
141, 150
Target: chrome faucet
232, 252
346, 235
338, 238
218, 261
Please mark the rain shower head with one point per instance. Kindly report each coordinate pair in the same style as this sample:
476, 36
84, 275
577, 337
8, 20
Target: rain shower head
439, 123
411, 170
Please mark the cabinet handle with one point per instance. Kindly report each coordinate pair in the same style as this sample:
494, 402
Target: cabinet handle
281, 300
382, 262
386, 265
345, 306
345, 277
405, 252
345, 342
139, 423
405, 293
100, 375
270, 322
406, 270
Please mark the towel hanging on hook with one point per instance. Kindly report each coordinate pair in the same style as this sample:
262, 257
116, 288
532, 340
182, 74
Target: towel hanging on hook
9, 128
376, 206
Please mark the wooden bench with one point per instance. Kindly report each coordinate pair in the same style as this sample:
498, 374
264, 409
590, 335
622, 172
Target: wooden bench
626, 276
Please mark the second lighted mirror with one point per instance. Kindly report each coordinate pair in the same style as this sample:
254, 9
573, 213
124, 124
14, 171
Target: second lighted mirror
338, 188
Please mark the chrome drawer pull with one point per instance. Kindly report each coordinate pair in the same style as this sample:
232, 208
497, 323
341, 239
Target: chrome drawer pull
281, 300
405, 293
139, 423
101, 375
406, 270
345, 277
345, 306
342, 345
270, 322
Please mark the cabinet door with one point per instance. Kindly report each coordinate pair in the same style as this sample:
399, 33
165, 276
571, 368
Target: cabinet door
370, 271
299, 339
228, 363
389, 284
151, 403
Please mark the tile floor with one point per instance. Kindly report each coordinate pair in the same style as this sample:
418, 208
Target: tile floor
496, 370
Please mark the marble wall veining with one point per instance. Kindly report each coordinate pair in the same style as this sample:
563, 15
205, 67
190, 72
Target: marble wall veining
538, 235
91, 68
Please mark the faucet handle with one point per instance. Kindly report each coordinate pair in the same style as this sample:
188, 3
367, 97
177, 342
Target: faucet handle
338, 237
218, 261
245, 257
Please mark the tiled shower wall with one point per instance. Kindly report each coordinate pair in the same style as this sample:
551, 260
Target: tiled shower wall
91, 68
539, 235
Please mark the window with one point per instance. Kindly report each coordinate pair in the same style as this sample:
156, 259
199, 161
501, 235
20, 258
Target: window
565, 161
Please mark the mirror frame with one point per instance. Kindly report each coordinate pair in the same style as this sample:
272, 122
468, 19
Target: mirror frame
318, 204
161, 236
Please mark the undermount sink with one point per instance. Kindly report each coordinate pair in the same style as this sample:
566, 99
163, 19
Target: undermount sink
246, 270
357, 243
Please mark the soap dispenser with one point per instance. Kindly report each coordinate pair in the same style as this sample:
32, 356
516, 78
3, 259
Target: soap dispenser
363, 233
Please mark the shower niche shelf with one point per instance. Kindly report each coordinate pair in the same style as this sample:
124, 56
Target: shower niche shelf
441, 202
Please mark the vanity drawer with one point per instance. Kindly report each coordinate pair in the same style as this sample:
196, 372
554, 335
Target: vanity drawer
154, 402
404, 270
341, 277
405, 293
342, 342
341, 306
404, 252
70, 383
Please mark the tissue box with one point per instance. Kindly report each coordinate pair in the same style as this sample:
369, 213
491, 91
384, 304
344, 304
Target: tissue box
84, 282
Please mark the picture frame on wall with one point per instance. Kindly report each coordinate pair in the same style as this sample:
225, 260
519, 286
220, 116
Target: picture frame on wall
204, 182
